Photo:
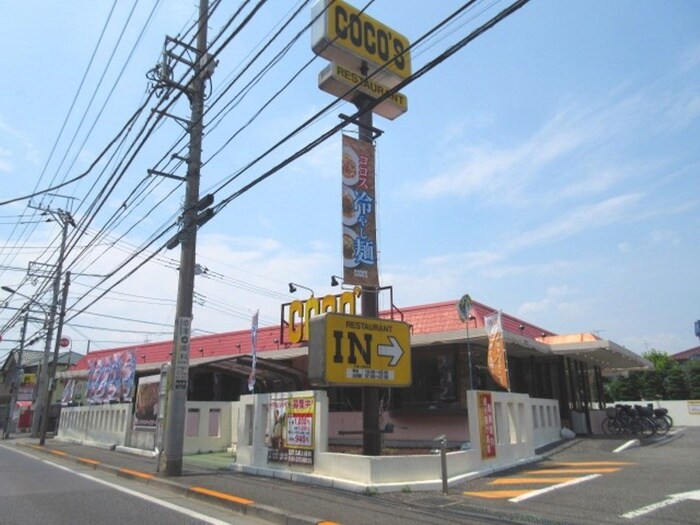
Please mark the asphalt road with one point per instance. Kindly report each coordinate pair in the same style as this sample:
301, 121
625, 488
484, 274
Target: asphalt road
585, 481
41, 491
579, 482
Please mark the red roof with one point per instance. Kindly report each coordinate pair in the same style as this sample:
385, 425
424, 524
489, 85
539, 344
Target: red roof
424, 319
687, 354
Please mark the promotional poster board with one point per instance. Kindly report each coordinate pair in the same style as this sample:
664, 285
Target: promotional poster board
111, 378
290, 430
146, 411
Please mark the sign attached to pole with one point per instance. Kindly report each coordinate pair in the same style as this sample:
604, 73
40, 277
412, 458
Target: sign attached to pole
359, 209
343, 34
344, 82
182, 353
356, 351
464, 307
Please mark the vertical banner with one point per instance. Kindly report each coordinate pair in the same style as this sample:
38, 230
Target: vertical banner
359, 214
487, 427
497, 350
254, 352
291, 430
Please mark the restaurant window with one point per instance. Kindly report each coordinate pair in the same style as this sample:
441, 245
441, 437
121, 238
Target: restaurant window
436, 382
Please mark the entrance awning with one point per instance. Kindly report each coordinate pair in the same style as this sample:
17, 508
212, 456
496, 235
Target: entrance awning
610, 357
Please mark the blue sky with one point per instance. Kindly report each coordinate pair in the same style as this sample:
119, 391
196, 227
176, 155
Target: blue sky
549, 168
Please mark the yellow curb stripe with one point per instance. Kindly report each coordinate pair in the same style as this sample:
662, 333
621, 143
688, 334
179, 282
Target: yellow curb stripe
88, 461
57, 453
222, 495
497, 494
517, 481
589, 463
601, 470
136, 473
328, 523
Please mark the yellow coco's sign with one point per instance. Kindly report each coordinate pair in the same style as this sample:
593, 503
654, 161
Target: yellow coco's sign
297, 314
343, 34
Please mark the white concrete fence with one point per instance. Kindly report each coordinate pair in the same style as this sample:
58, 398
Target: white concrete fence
103, 424
519, 426
209, 426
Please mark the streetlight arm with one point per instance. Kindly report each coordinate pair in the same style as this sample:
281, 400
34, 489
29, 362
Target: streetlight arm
30, 299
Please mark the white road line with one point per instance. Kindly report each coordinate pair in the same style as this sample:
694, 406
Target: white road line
535, 493
150, 499
630, 443
671, 500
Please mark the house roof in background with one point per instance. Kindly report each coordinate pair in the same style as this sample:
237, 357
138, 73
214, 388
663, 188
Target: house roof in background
691, 353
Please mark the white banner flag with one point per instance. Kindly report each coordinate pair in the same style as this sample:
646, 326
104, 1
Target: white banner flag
254, 353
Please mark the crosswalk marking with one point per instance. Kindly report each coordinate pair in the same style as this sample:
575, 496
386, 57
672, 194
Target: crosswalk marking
589, 463
498, 494
517, 481
600, 470
556, 475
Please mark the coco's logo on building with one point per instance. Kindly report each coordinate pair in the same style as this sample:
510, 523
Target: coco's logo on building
343, 34
298, 314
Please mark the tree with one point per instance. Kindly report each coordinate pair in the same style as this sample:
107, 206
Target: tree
693, 375
661, 360
676, 386
654, 385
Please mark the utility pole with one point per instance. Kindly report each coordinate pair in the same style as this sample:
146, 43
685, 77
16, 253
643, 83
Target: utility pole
179, 370
42, 400
16, 379
54, 365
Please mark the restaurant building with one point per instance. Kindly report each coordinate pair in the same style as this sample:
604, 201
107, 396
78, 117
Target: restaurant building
449, 357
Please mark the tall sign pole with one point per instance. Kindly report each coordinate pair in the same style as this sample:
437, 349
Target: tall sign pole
177, 381
363, 68
371, 437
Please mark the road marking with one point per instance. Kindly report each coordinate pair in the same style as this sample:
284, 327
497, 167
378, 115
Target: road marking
671, 500
556, 475
589, 463
497, 494
625, 446
516, 481
151, 499
601, 470
535, 493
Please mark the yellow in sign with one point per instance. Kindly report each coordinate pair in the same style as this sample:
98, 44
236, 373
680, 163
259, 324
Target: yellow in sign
359, 351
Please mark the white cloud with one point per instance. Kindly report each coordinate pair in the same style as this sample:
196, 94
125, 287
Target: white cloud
665, 237
6, 164
609, 211
30, 152
555, 299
